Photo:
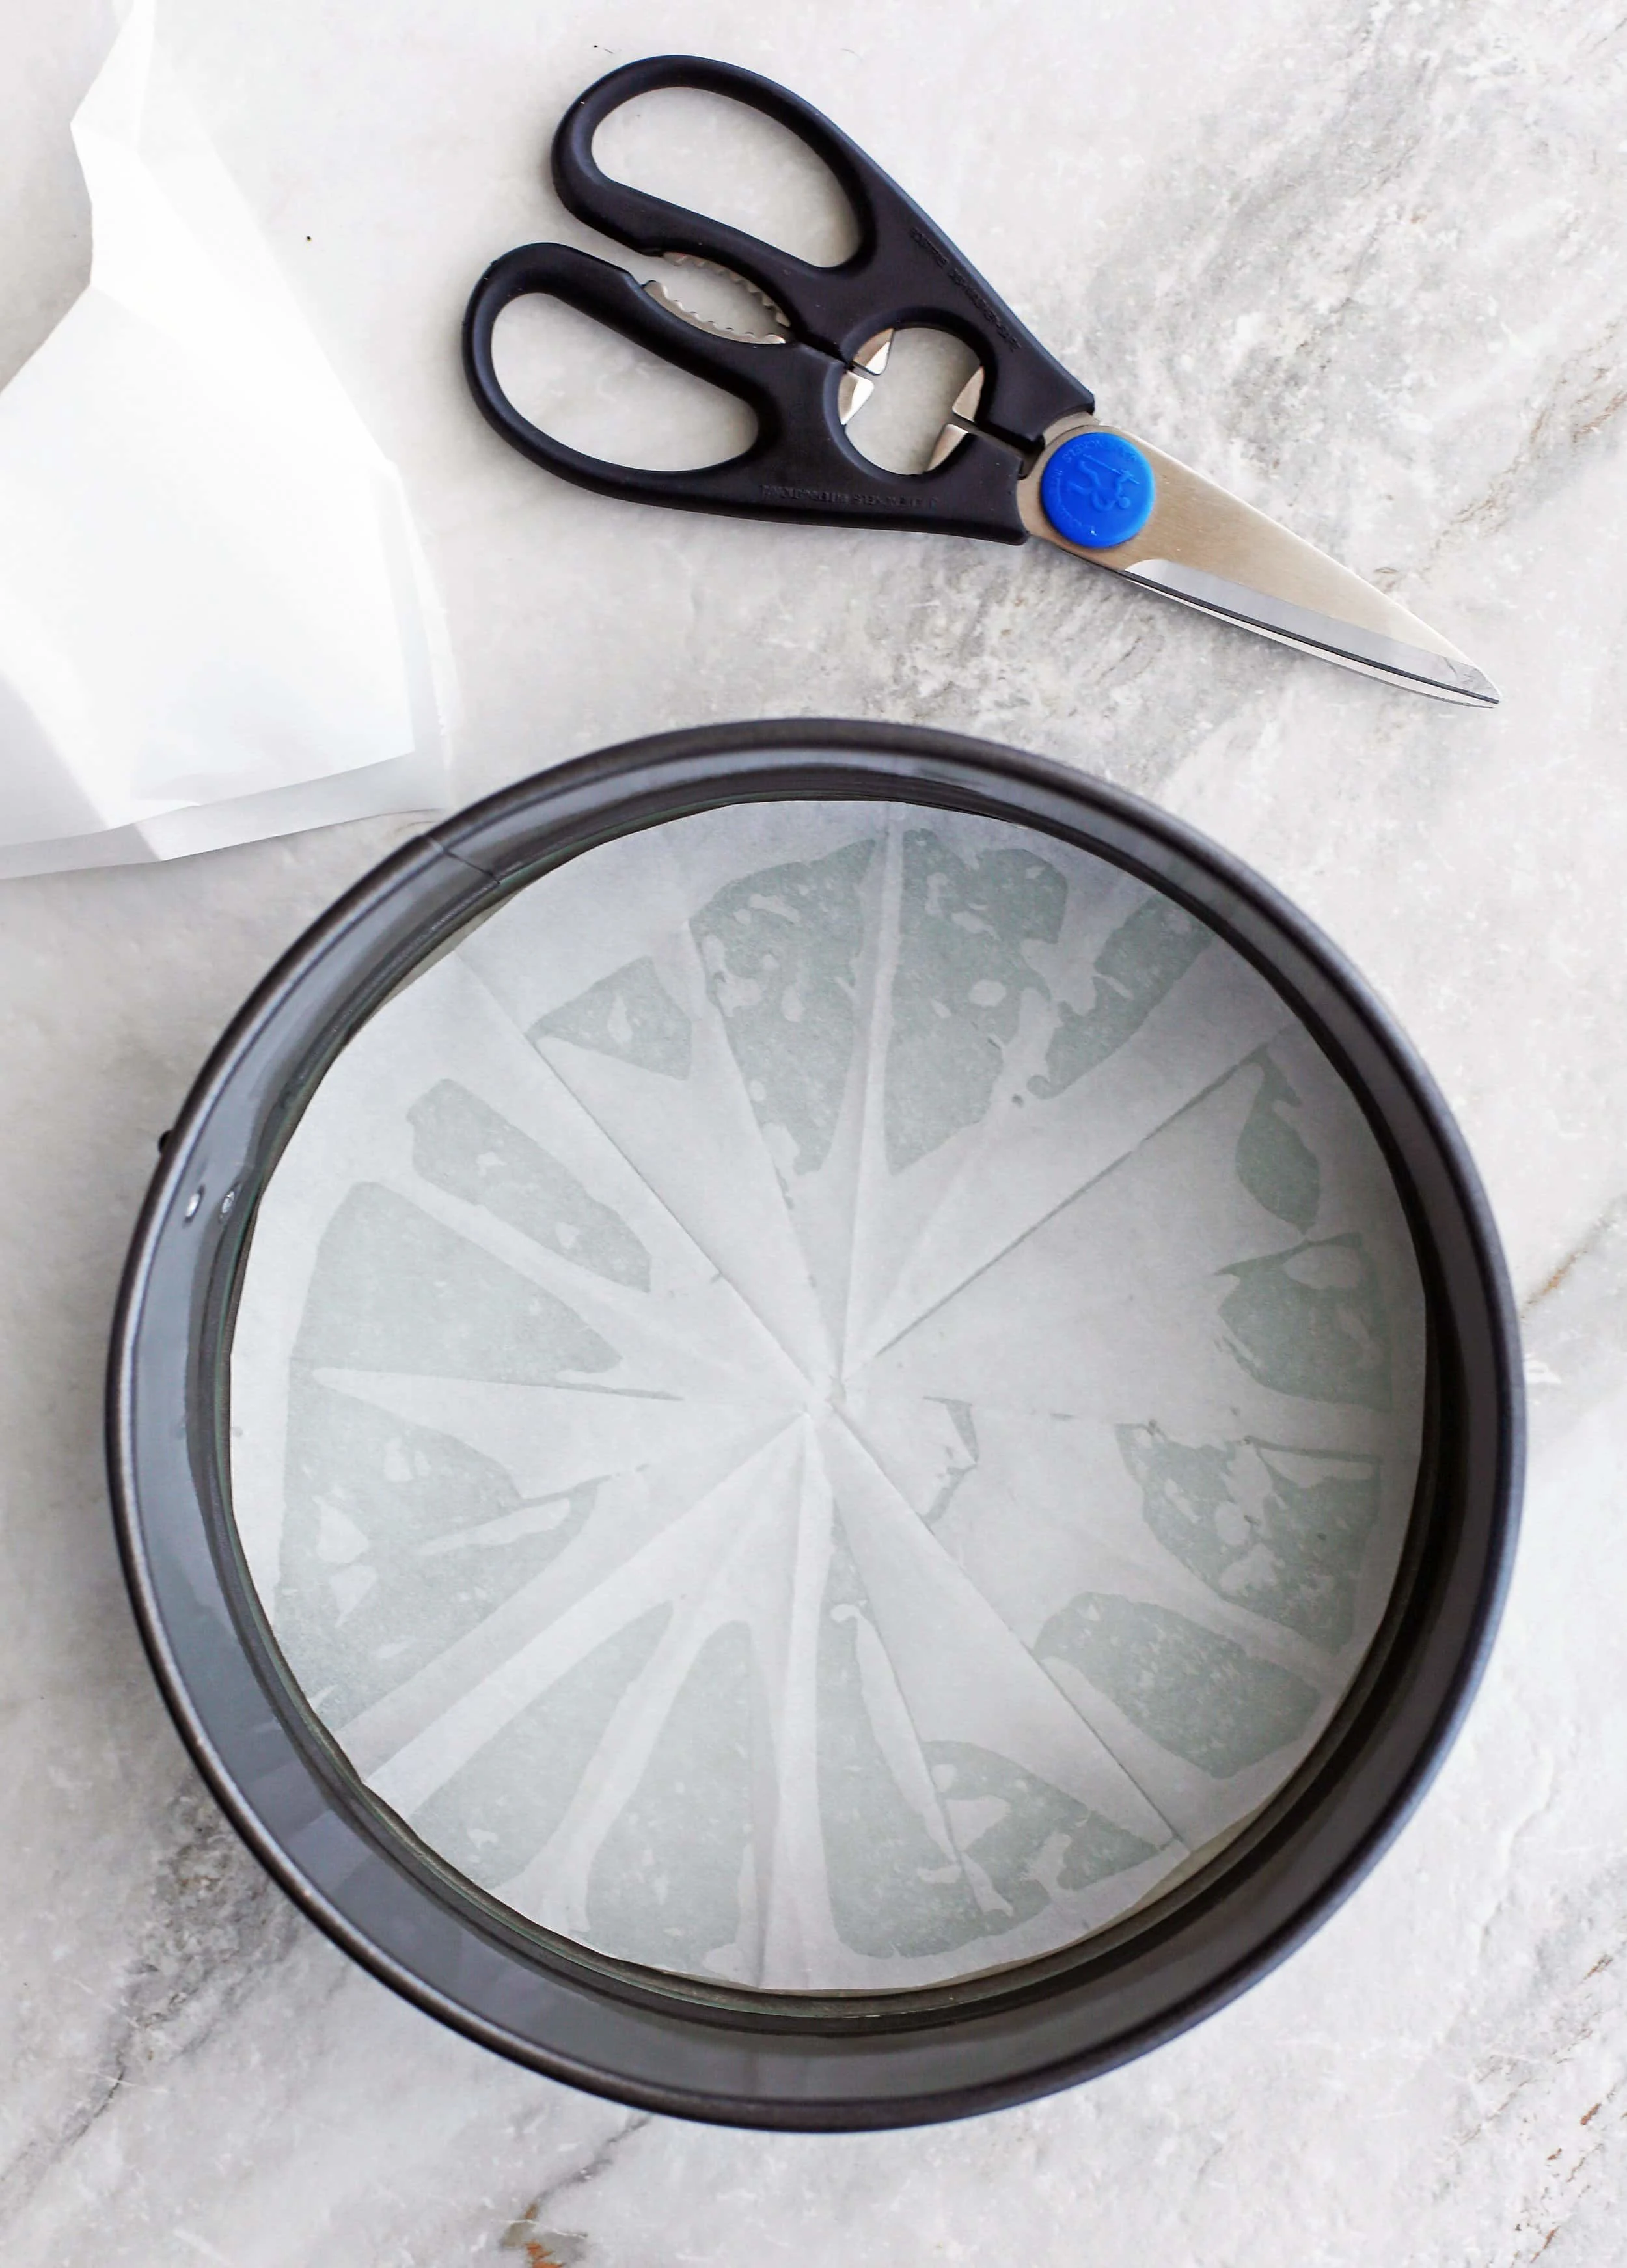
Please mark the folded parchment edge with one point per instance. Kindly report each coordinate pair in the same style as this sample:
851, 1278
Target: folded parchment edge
409, 779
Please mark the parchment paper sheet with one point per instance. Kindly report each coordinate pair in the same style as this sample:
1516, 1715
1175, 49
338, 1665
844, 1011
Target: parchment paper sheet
215, 621
829, 1397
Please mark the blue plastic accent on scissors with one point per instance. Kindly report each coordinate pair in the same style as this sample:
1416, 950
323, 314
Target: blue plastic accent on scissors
1098, 491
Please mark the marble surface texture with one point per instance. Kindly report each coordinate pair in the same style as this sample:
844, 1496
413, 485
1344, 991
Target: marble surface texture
1363, 260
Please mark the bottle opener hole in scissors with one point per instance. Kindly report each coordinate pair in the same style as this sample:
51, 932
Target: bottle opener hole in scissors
1022, 452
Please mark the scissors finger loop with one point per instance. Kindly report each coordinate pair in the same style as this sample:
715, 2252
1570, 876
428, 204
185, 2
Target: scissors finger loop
903, 270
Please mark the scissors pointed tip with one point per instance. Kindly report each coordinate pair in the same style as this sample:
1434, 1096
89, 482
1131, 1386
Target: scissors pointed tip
1407, 653
1479, 687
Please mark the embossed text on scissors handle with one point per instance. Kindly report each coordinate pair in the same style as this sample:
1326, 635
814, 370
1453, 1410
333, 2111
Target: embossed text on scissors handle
778, 492
963, 283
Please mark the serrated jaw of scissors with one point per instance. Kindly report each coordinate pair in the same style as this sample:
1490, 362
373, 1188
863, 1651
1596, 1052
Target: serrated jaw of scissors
674, 306
1207, 549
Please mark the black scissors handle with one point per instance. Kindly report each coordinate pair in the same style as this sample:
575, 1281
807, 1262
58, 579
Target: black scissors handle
802, 465
903, 270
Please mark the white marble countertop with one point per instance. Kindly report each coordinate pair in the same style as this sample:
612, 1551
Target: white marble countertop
1365, 263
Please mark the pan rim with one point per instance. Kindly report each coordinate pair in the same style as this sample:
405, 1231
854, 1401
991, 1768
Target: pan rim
359, 1880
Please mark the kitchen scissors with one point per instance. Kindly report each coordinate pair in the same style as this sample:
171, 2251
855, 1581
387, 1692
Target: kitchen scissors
1021, 453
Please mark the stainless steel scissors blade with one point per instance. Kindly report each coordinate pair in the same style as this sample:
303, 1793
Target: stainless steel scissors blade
1207, 549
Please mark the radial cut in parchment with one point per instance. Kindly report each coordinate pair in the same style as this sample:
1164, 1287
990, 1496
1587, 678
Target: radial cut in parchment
829, 1398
